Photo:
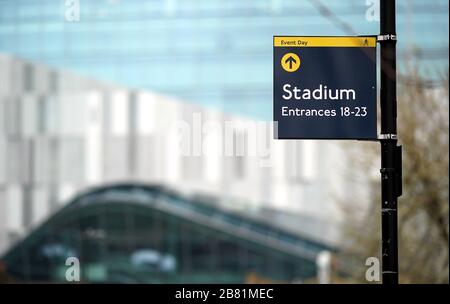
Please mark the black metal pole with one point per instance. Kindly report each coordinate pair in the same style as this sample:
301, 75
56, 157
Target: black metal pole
390, 159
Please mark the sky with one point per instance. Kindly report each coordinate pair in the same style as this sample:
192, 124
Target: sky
214, 53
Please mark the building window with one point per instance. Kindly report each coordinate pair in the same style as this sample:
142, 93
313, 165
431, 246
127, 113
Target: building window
28, 78
240, 151
53, 81
293, 161
42, 115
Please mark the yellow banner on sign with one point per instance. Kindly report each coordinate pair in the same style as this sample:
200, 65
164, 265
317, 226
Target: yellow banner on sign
291, 41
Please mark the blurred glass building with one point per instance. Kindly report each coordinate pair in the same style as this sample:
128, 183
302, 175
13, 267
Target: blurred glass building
215, 53
149, 234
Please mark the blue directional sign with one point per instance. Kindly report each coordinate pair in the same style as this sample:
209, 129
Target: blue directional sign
325, 88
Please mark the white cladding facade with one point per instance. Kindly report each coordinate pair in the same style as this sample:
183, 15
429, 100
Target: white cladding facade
61, 134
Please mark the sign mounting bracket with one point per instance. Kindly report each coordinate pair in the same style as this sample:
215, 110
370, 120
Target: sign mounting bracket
388, 37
